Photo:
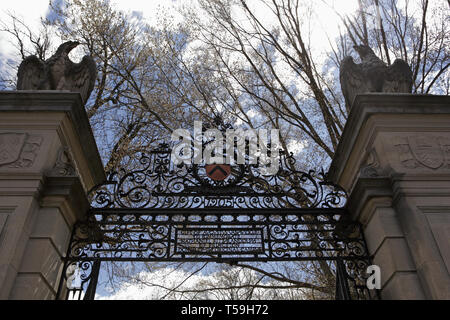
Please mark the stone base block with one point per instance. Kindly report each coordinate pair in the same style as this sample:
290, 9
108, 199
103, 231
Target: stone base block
41, 257
31, 287
393, 256
403, 286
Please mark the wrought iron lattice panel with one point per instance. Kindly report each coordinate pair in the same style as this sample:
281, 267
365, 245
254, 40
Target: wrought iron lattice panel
224, 236
186, 235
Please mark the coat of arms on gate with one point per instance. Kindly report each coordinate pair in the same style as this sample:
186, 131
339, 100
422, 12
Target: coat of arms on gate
429, 151
218, 172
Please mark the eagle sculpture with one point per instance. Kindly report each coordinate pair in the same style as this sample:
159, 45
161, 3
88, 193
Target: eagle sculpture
58, 73
373, 75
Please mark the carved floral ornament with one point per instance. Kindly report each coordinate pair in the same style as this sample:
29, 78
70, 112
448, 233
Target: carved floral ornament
371, 167
64, 166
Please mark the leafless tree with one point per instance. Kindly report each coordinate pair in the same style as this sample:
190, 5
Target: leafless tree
153, 80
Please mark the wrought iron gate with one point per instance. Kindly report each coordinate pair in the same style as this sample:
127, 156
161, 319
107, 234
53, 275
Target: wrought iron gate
161, 212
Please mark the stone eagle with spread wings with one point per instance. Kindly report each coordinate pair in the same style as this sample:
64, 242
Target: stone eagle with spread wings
58, 73
373, 75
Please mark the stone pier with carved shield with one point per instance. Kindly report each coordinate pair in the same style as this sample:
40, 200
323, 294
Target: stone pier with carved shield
48, 162
394, 161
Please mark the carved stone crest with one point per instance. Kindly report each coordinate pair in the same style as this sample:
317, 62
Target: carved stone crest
18, 150
11, 145
428, 151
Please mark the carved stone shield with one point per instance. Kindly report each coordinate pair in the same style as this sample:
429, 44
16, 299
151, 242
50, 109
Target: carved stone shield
11, 145
427, 151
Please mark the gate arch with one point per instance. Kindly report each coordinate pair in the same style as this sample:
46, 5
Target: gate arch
159, 211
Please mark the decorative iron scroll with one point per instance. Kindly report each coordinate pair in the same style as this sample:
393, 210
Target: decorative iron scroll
155, 182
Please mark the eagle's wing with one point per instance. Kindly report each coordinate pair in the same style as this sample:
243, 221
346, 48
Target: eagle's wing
31, 74
82, 77
352, 80
399, 78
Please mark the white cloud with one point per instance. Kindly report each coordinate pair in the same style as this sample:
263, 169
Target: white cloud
29, 11
149, 8
167, 278
153, 286
297, 146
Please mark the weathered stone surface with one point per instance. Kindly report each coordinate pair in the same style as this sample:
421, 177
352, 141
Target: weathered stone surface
439, 221
374, 121
11, 145
393, 256
51, 225
42, 258
403, 286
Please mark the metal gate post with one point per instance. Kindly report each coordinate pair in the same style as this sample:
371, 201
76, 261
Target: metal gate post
342, 288
92, 288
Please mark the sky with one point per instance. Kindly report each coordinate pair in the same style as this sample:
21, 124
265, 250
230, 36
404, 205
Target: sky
32, 10
170, 278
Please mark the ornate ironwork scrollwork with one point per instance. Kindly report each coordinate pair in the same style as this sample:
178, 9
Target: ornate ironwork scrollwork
158, 211
155, 182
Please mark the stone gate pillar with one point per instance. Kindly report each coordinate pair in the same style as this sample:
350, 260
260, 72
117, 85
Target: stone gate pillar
394, 160
48, 161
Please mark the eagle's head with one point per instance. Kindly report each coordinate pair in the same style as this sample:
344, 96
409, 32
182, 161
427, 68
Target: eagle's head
66, 47
363, 51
